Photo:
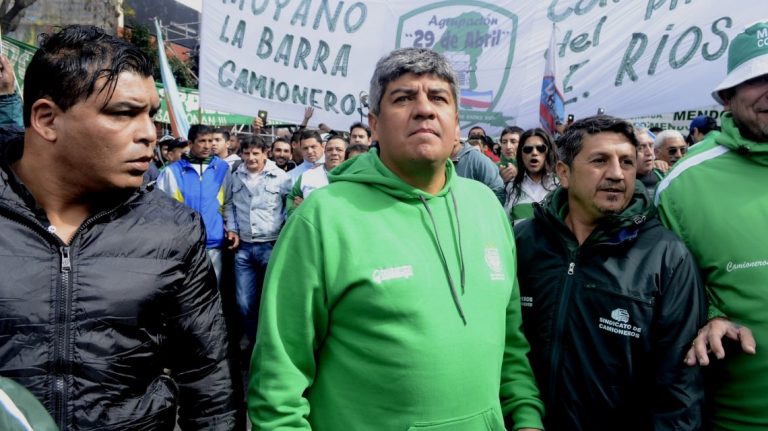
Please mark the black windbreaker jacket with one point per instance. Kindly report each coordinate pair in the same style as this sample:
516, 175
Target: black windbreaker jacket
609, 321
90, 327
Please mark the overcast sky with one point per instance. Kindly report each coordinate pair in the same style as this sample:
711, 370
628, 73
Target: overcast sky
194, 4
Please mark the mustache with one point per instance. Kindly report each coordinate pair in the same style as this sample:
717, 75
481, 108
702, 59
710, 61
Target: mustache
612, 187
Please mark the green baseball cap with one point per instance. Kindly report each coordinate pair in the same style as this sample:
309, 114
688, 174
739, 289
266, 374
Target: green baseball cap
747, 58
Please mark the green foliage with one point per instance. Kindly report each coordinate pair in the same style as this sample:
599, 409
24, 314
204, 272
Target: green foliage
144, 40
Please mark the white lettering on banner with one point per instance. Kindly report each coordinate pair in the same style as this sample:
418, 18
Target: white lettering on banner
285, 55
526, 301
730, 266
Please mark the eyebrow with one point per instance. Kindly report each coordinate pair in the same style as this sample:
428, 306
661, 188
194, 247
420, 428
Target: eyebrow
132, 106
409, 91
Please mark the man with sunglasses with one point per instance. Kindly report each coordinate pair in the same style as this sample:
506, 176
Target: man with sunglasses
716, 201
670, 146
610, 298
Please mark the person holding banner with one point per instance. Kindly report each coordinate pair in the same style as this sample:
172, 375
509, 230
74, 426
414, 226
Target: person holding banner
387, 306
716, 200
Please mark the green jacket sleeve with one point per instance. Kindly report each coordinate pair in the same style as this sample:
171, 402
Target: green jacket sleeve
669, 219
293, 320
20, 410
290, 207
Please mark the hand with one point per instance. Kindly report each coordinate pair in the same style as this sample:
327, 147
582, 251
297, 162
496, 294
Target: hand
710, 338
234, 239
661, 165
297, 201
7, 80
508, 172
308, 111
257, 125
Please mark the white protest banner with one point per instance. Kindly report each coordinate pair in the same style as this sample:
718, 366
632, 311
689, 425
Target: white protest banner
637, 58
629, 57
678, 120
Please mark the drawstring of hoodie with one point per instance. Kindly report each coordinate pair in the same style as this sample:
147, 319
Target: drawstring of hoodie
451, 283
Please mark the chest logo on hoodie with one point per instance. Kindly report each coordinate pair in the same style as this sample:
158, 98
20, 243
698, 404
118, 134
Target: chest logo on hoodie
493, 260
381, 275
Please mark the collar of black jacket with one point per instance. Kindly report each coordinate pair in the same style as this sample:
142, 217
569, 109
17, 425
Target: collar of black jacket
612, 229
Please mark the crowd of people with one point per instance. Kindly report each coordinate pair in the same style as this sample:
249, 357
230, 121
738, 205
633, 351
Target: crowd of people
393, 276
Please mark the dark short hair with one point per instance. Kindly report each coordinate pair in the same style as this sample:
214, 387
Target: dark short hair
224, 132
550, 158
339, 137
511, 130
280, 140
569, 145
356, 148
177, 143
296, 136
196, 130
68, 64
310, 134
359, 125
254, 141
469, 134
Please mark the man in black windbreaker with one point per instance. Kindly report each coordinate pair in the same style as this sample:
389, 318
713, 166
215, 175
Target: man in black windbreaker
109, 312
611, 299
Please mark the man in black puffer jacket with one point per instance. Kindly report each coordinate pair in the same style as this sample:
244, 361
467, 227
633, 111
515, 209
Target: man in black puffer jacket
109, 312
611, 299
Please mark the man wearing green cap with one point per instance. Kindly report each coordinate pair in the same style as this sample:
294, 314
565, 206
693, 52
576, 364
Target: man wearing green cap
716, 200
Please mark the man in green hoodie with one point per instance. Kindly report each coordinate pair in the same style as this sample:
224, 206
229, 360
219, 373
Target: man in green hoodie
611, 298
410, 319
716, 200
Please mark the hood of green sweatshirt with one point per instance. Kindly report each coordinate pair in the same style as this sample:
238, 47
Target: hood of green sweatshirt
615, 228
731, 138
367, 168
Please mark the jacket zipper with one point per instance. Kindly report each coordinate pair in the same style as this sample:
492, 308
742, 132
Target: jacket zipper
63, 308
58, 387
63, 302
61, 338
559, 325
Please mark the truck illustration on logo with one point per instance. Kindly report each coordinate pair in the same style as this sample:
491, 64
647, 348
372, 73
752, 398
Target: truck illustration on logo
620, 315
478, 39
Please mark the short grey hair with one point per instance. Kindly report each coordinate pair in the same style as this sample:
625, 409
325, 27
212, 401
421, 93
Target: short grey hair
418, 61
667, 135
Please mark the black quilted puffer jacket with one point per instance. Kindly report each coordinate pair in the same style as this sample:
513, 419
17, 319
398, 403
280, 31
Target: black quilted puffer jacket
120, 329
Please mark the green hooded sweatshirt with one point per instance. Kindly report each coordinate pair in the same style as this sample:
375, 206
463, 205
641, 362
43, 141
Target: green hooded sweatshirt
388, 308
716, 200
